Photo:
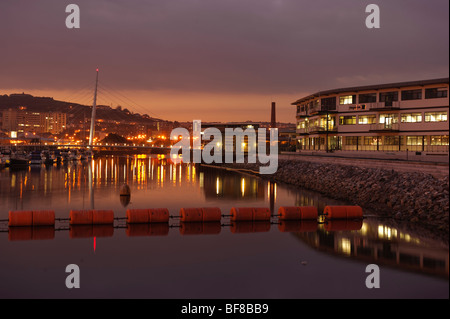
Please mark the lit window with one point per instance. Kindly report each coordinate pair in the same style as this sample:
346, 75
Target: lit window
347, 99
439, 140
367, 119
347, 120
388, 118
435, 116
415, 140
411, 117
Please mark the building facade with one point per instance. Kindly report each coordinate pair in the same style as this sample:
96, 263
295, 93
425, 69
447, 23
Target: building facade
398, 117
22, 120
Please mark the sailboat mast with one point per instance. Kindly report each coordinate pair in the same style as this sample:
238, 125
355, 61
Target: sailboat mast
91, 133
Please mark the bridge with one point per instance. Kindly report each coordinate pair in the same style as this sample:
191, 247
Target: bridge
99, 149
96, 147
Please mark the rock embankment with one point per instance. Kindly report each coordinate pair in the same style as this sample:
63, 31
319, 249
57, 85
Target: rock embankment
416, 197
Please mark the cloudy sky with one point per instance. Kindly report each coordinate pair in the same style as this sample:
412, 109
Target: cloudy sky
216, 60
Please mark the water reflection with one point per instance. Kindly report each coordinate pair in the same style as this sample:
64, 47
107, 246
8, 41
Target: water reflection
160, 182
372, 241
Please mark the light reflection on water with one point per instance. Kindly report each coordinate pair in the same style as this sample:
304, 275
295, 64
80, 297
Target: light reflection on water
159, 182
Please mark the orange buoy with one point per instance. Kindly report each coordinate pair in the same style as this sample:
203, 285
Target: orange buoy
297, 212
32, 218
81, 217
137, 216
205, 214
191, 215
144, 216
249, 226
261, 213
44, 218
211, 214
91, 217
20, 218
241, 214
101, 217
343, 212
158, 215
342, 225
197, 228
297, 226
250, 214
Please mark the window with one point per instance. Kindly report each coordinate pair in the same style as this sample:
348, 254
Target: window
411, 95
391, 140
370, 140
388, 118
411, 117
435, 116
301, 125
329, 103
439, 140
389, 96
368, 98
415, 140
347, 99
367, 119
435, 93
351, 140
347, 120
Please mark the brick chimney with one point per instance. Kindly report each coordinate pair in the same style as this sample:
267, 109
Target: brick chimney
273, 121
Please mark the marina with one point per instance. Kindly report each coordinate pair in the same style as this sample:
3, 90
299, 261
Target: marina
294, 259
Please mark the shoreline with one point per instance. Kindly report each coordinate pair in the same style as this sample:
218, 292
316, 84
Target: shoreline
418, 198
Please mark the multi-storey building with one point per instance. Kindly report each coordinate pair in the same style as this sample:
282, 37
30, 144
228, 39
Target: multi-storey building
22, 120
53, 122
396, 117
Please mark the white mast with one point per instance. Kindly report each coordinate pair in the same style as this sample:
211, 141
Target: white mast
91, 133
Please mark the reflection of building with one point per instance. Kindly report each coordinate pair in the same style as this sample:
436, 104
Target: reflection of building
22, 120
228, 185
388, 117
377, 243
229, 142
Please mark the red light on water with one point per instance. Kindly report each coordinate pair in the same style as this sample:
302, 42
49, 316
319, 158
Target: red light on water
95, 244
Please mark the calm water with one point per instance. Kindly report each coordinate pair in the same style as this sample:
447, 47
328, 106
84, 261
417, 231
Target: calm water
199, 261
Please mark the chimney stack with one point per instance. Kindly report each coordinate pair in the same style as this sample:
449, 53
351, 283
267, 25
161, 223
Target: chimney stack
273, 121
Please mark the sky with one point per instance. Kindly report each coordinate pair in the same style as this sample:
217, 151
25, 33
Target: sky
216, 60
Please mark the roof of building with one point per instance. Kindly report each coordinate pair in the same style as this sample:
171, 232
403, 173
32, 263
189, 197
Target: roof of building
374, 87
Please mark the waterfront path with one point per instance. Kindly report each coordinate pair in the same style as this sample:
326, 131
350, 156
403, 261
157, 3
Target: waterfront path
437, 169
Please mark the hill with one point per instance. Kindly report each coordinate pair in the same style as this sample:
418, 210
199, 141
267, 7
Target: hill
76, 113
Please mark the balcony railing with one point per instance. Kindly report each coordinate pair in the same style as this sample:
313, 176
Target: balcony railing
322, 129
384, 127
383, 105
374, 106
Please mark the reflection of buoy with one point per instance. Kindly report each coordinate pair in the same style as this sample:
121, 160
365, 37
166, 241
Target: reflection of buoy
125, 190
124, 200
125, 195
